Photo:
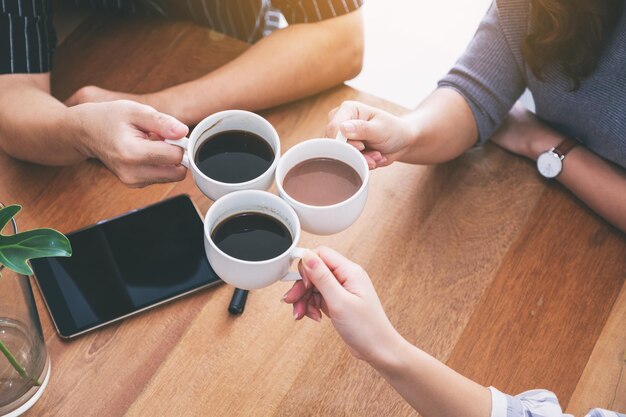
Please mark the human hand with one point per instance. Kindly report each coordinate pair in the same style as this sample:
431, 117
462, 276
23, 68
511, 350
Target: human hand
93, 94
161, 100
128, 138
382, 137
344, 292
523, 134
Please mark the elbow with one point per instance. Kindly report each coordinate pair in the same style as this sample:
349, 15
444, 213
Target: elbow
350, 40
355, 54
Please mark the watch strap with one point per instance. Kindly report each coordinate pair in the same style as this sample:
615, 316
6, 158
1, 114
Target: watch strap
565, 146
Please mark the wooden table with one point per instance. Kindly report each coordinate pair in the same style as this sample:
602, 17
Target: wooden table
504, 276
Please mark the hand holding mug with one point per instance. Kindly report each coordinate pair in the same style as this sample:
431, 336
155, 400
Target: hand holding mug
230, 151
343, 291
126, 137
382, 137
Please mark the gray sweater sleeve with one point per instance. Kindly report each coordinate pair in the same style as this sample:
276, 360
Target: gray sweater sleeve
488, 75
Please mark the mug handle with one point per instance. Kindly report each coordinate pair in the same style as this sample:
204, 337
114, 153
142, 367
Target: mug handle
182, 143
296, 253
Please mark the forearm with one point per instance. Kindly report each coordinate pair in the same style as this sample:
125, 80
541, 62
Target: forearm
292, 63
429, 386
34, 126
598, 183
443, 128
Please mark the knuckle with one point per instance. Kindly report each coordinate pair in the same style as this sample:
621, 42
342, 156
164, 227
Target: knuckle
362, 127
161, 119
127, 179
128, 156
181, 174
84, 93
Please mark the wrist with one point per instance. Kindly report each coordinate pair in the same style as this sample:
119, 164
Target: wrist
391, 354
162, 102
543, 141
411, 133
75, 128
185, 102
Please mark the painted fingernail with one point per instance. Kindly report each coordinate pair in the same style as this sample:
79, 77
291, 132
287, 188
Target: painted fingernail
377, 157
348, 127
309, 260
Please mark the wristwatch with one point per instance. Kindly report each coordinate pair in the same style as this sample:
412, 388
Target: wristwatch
550, 163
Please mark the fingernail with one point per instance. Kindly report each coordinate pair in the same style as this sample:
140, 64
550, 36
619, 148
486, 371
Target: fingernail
310, 261
317, 319
306, 282
360, 146
295, 315
178, 129
282, 300
348, 127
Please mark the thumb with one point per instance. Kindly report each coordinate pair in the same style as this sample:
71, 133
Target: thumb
322, 278
357, 129
166, 126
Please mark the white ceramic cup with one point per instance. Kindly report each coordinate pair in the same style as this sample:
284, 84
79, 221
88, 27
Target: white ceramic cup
220, 122
325, 220
251, 275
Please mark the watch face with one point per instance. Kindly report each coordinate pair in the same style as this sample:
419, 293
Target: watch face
549, 164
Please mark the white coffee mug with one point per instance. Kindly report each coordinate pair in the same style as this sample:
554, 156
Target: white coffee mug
325, 220
220, 122
251, 275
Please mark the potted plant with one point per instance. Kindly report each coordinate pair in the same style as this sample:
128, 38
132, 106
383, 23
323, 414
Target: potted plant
24, 361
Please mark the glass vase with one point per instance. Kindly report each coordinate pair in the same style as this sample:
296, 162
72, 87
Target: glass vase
24, 361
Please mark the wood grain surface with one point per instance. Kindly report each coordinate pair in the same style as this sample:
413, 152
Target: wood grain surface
476, 261
603, 382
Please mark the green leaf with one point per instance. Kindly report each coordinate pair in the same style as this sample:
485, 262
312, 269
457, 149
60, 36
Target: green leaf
7, 213
16, 250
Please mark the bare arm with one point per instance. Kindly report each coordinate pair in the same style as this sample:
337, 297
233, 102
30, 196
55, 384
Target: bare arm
430, 387
599, 183
441, 128
292, 63
36, 127
347, 296
33, 124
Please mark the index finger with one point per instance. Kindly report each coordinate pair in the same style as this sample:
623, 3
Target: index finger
157, 152
349, 110
334, 260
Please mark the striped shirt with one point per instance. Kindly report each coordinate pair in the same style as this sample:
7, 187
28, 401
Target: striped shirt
536, 403
28, 38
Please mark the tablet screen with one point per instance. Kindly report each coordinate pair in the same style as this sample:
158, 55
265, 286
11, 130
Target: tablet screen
124, 265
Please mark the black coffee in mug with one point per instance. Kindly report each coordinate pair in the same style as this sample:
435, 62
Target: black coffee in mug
234, 156
252, 236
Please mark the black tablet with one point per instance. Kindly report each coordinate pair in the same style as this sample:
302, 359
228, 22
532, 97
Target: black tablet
125, 265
